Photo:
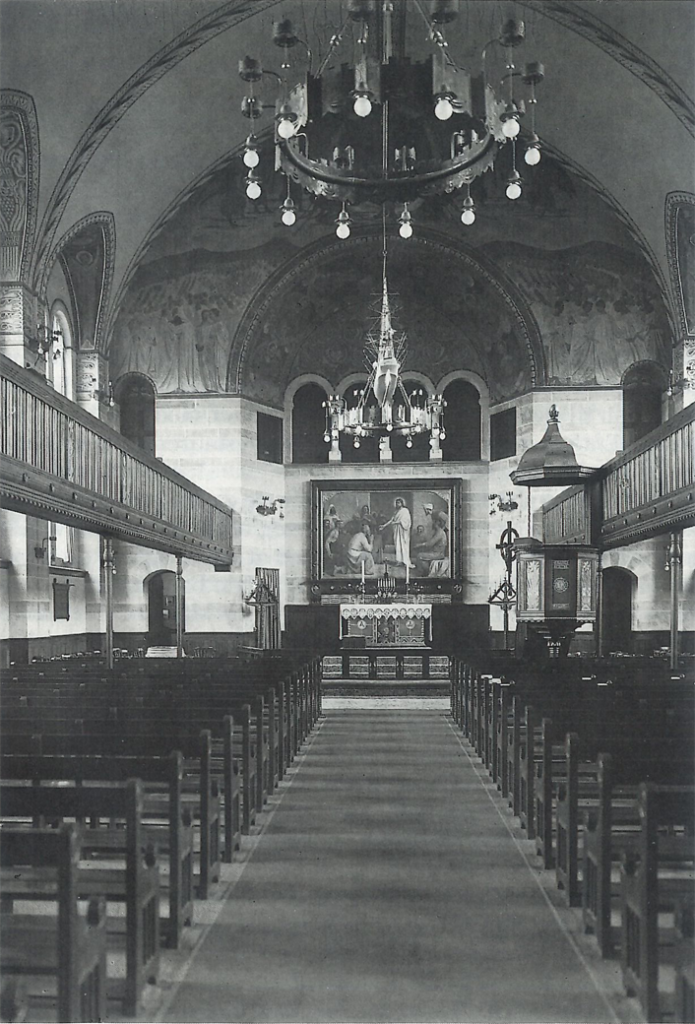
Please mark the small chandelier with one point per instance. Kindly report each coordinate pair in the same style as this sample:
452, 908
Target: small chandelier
388, 129
384, 407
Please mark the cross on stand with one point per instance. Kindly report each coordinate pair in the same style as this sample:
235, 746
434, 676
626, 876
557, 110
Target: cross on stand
505, 594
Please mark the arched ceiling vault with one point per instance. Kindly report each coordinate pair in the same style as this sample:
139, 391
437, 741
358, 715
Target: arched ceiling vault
161, 106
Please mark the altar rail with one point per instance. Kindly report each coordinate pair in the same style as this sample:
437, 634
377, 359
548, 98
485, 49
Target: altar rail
63, 464
647, 490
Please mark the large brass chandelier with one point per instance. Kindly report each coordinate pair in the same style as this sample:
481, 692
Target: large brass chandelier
386, 129
384, 407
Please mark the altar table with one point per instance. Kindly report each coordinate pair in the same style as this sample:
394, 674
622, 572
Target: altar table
397, 624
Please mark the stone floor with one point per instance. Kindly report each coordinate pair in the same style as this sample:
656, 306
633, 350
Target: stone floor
388, 882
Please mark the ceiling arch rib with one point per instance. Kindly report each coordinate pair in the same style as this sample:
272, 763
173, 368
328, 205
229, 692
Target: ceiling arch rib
226, 16
212, 99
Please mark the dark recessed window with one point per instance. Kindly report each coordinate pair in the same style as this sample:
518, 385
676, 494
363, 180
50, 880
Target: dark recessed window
503, 434
269, 435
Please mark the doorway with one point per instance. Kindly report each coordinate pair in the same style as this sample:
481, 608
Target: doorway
616, 611
161, 595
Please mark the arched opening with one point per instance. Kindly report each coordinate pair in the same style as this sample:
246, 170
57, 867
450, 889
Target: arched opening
616, 610
309, 424
643, 387
61, 537
461, 422
420, 449
161, 602
135, 396
363, 449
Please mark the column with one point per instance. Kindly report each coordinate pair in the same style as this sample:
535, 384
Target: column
178, 595
674, 561
108, 566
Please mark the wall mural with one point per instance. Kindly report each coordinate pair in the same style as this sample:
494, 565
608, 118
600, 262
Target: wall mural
199, 316
178, 318
597, 306
453, 312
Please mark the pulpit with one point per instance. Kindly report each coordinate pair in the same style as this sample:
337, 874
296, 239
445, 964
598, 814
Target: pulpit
396, 624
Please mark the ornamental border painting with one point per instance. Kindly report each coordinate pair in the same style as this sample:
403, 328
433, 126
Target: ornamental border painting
362, 530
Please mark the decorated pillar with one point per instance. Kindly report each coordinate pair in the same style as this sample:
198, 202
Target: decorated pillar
19, 175
92, 385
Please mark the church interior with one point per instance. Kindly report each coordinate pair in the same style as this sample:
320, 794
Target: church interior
347, 540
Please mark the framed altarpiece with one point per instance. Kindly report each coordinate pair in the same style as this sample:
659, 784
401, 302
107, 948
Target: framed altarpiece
367, 536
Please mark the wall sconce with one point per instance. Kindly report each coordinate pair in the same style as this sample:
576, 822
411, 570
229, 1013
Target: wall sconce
264, 509
678, 386
43, 342
40, 552
105, 396
504, 504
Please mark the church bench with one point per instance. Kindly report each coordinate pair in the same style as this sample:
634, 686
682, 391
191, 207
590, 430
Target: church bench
656, 881
561, 774
125, 729
166, 821
132, 881
684, 965
664, 756
595, 711
202, 775
62, 945
611, 829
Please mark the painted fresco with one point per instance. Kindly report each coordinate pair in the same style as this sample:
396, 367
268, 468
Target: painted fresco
366, 532
597, 307
584, 312
176, 324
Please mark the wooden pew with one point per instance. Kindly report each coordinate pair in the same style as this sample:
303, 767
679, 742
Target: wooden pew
201, 782
162, 779
684, 964
657, 877
612, 829
135, 884
649, 751
65, 946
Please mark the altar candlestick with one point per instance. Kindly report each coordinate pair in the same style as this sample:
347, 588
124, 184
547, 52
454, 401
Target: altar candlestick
407, 574
362, 573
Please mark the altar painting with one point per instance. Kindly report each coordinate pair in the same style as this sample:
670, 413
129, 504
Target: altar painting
404, 532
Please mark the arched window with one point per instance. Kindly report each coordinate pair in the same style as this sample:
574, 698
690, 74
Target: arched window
461, 422
420, 450
367, 449
135, 396
61, 537
309, 425
643, 387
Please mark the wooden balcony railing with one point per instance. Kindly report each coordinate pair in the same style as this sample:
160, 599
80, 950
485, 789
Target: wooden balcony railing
647, 490
61, 463
567, 518
650, 488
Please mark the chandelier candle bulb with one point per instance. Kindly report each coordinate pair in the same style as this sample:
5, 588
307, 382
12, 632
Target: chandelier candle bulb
362, 105
253, 187
443, 109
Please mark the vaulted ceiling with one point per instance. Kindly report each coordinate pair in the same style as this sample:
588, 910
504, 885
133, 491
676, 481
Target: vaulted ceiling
138, 111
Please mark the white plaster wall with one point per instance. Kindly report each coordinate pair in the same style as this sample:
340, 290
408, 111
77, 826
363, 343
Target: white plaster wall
651, 596
5, 602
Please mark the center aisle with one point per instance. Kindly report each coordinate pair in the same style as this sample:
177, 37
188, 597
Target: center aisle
386, 888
